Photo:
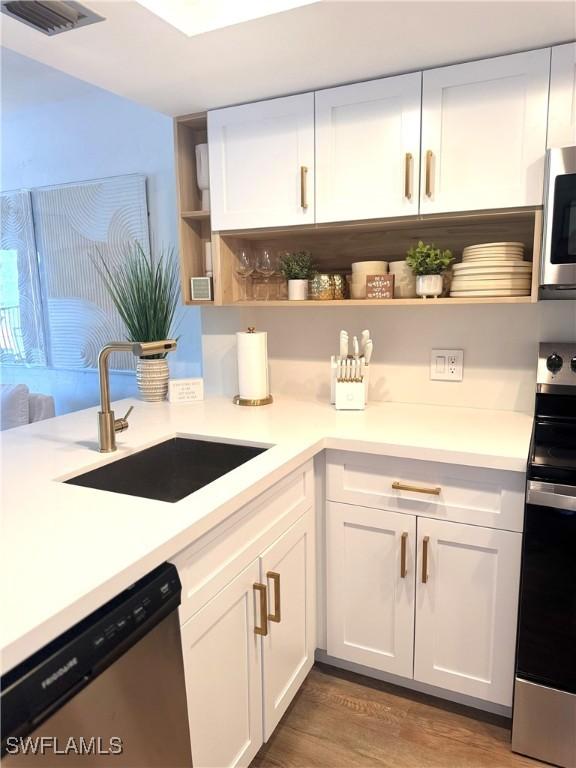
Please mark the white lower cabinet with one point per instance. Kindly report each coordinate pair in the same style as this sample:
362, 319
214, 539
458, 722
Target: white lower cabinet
287, 569
466, 607
424, 599
248, 650
370, 587
223, 669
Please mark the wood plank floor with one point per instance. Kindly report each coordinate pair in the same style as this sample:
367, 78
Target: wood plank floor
339, 719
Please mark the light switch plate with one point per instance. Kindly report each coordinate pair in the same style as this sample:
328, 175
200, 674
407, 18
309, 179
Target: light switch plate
447, 364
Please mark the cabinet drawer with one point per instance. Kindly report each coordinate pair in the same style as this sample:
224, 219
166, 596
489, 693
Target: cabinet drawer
211, 562
475, 495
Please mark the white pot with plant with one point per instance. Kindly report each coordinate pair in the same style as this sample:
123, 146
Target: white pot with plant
145, 293
429, 263
298, 268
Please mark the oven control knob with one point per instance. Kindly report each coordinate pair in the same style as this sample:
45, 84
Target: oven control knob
554, 363
573, 363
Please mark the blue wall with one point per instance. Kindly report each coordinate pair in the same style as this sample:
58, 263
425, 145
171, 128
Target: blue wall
57, 129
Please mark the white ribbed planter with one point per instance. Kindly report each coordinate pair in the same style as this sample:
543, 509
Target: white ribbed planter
152, 377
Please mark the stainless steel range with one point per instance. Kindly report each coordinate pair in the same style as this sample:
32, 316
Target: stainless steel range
544, 719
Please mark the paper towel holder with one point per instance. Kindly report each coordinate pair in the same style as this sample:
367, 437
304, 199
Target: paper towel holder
249, 401
245, 401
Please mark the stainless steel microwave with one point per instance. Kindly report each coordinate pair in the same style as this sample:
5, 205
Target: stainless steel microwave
558, 268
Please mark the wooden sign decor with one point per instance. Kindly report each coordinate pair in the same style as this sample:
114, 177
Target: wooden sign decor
380, 287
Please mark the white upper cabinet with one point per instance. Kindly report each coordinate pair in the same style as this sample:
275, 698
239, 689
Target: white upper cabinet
262, 163
368, 149
484, 133
562, 109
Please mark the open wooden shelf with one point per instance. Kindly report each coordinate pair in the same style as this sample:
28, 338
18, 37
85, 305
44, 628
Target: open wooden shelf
194, 224
446, 301
335, 246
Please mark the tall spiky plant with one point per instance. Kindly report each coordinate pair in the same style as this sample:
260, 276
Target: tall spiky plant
144, 291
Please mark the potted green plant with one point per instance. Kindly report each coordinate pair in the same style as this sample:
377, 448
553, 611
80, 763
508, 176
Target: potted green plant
297, 267
429, 263
145, 291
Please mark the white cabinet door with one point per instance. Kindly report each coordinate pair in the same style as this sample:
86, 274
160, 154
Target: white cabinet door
484, 133
368, 149
466, 609
562, 108
222, 664
370, 586
262, 163
288, 569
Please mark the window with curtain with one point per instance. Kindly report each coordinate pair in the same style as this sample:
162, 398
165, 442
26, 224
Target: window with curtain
54, 310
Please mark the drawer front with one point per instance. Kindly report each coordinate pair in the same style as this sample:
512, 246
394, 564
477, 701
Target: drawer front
475, 495
214, 560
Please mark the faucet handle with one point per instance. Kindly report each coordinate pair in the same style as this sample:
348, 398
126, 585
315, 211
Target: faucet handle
121, 425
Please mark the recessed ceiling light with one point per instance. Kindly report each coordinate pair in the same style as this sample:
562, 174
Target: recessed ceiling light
193, 17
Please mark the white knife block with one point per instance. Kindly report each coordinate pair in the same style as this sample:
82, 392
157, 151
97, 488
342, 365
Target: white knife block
334, 383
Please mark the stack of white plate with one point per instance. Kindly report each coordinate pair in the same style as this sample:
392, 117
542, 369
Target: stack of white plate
492, 269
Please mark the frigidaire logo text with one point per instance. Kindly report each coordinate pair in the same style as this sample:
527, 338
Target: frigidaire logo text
59, 672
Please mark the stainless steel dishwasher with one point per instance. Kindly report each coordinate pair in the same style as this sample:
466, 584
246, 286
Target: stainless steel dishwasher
108, 692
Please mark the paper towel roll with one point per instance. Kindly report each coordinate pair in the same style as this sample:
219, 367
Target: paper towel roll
253, 365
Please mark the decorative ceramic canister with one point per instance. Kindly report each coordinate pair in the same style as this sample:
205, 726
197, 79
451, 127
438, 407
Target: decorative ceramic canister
322, 287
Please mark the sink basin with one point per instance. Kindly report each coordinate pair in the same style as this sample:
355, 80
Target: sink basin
170, 470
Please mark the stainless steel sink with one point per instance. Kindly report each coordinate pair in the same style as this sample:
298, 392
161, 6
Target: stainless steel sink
170, 470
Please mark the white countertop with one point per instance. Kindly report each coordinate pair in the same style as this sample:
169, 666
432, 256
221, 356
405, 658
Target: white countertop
67, 549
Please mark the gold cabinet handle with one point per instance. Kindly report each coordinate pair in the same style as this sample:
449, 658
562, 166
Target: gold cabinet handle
303, 188
399, 486
408, 176
429, 158
276, 616
263, 628
403, 542
425, 541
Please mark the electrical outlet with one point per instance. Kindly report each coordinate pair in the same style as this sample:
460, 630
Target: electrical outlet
447, 364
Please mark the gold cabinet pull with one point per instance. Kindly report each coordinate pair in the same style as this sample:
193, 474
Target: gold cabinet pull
408, 176
425, 541
303, 187
403, 542
399, 486
276, 616
263, 628
429, 158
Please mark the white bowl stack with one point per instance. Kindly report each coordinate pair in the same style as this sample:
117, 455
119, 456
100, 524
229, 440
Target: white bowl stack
492, 269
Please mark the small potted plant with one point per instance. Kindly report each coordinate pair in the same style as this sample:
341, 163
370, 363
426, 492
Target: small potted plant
145, 292
429, 263
297, 268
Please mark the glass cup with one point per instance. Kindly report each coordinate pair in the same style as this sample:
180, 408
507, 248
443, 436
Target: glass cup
244, 268
266, 266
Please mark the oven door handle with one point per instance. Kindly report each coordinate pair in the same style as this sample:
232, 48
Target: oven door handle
539, 495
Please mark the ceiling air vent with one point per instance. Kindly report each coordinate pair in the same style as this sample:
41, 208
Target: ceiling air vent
50, 16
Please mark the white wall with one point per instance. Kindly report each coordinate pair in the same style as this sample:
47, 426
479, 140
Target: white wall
500, 344
56, 129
